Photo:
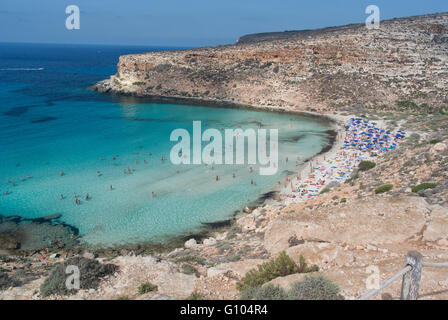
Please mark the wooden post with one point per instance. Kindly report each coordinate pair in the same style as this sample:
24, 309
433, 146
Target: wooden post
411, 280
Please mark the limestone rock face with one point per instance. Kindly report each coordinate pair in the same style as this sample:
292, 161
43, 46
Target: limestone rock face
321, 254
247, 223
374, 221
299, 69
134, 270
437, 228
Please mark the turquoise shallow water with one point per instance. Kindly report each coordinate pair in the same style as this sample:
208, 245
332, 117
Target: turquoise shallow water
50, 122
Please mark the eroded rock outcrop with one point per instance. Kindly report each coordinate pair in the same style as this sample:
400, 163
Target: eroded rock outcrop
322, 68
375, 221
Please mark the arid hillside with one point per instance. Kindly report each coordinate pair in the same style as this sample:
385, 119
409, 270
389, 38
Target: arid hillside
405, 60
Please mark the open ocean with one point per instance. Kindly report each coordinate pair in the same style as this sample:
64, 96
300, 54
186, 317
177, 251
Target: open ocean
51, 123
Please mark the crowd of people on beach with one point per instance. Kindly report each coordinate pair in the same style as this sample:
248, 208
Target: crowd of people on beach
361, 140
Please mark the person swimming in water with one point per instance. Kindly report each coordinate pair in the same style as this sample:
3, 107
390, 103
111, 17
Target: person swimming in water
217, 178
111, 188
87, 197
61, 197
153, 194
61, 173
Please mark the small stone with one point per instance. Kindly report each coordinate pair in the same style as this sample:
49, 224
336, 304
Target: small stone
88, 255
191, 244
209, 242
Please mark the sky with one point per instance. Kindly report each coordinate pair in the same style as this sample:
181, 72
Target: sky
186, 23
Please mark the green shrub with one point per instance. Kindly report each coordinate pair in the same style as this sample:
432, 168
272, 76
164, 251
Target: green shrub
385, 188
146, 287
407, 104
267, 292
424, 186
90, 272
7, 282
280, 267
138, 83
314, 288
366, 165
435, 141
195, 296
189, 269
191, 258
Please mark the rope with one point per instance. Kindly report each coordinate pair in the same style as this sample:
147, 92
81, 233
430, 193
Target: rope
436, 264
397, 276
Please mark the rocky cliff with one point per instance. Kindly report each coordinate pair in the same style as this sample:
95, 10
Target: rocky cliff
406, 59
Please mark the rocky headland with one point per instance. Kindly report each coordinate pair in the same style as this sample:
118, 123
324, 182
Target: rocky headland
396, 76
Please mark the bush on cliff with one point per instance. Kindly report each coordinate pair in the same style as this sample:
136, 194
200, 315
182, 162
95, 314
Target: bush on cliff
424, 186
195, 296
279, 267
146, 287
189, 269
314, 288
366, 165
383, 189
90, 272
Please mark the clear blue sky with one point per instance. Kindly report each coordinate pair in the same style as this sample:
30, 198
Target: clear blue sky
186, 22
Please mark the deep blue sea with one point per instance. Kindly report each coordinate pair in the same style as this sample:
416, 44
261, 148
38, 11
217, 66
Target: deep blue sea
51, 123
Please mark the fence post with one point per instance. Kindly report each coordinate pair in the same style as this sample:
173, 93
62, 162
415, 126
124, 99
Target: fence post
411, 280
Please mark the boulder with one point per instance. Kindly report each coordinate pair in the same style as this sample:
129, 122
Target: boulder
190, 244
209, 242
88, 255
321, 254
247, 223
